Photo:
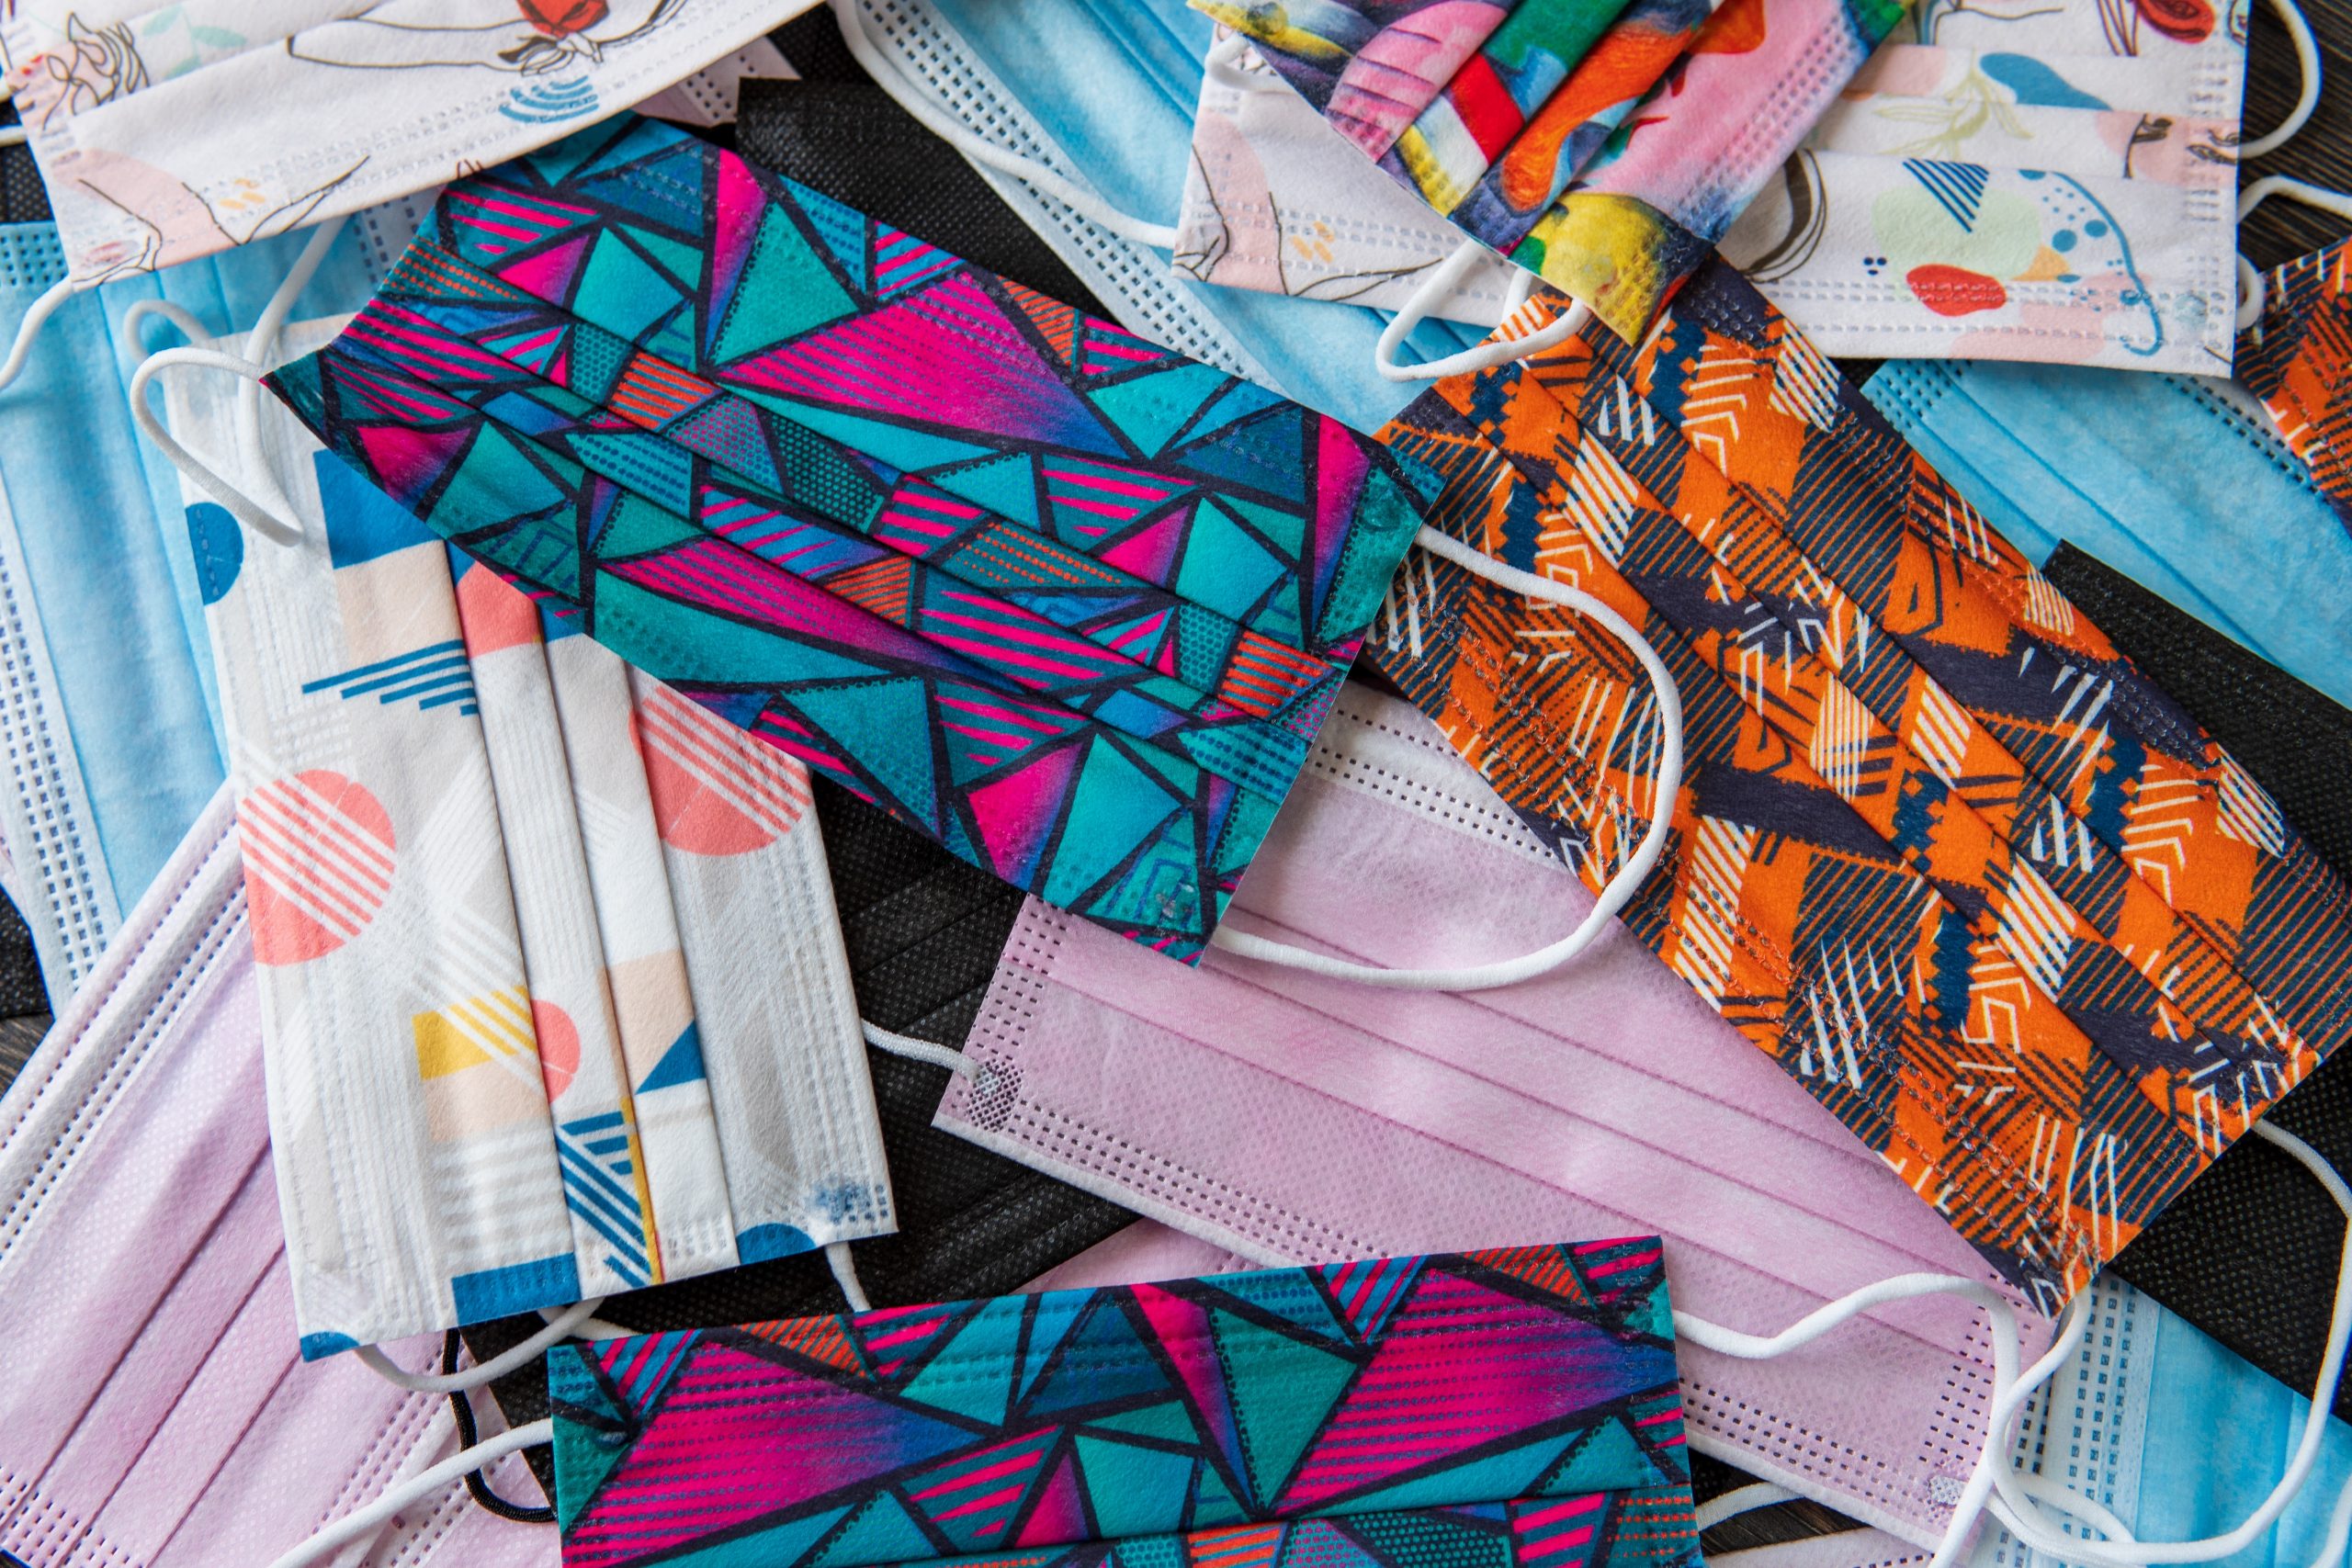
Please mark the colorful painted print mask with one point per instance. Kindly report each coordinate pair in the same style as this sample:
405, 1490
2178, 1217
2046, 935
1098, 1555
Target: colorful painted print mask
1070, 604
1985, 889
1515, 1408
2297, 360
2054, 184
1657, 122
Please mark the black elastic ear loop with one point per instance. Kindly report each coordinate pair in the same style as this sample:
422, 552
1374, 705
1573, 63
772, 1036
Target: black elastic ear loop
477, 1482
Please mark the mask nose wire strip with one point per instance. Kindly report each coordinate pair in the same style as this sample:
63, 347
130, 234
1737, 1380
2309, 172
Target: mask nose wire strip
363, 1522
2251, 288
1619, 891
918, 103
558, 1327
2307, 58
1448, 274
252, 513
2034, 1529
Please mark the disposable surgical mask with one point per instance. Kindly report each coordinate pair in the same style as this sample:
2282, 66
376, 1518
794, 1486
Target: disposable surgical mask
1857, 653
162, 1416
455, 1068
2241, 536
1290, 1118
107, 711
2053, 186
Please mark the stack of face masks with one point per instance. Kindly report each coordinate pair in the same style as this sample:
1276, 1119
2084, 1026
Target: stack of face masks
1069, 604
166, 135
1603, 148
2056, 184
1939, 850
1292, 1118
159, 1414
494, 1085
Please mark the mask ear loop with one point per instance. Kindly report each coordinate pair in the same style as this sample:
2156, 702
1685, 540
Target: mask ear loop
558, 1327
1447, 274
2014, 1507
2255, 292
363, 1522
261, 349
2307, 58
1621, 887
1049, 181
251, 512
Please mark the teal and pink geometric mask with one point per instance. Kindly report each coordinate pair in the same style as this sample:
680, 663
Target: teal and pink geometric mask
1072, 605
1515, 1408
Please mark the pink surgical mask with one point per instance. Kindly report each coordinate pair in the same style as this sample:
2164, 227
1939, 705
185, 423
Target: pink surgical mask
157, 1411
1290, 1118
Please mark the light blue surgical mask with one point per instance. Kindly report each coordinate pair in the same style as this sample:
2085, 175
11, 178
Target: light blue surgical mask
107, 717
2178, 482
1104, 91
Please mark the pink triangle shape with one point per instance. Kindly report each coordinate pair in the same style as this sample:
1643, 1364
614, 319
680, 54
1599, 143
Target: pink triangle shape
1060, 1513
547, 274
1150, 553
405, 461
1015, 813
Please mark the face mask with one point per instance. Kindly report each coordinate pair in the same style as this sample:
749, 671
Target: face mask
513, 1170
163, 137
2053, 188
1852, 644
2295, 361
1108, 93
1614, 204
162, 1416
1124, 761
2242, 537
1294, 1118
1158, 1421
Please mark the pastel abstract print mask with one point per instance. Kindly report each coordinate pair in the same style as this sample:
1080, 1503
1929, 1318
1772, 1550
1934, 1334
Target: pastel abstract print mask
1072, 605
1941, 850
2297, 360
1515, 1408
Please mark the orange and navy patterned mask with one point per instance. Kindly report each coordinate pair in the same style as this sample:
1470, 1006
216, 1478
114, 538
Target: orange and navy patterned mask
1966, 874
2299, 362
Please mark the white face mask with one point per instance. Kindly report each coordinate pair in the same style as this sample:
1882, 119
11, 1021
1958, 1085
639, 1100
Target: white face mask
2049, 183
166, 132
494, 1085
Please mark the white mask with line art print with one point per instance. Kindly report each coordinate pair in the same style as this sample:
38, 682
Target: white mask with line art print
165, 131
492, 1088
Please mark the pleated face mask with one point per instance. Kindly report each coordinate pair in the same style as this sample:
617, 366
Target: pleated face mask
1602, 146
2054, 184
492, 888
1069, 604
1985, 889
1502, 1409
2297, 360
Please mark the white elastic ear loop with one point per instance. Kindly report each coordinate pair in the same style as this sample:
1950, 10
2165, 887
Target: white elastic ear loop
2307, 57
844, 1269
558, 1327
191, 324
243, 507
2251, 288
456, 1467
1621, 887
39, 312
916, 102
2122, 1551
1445, 277
915, 1050
1737, 1501
261, 347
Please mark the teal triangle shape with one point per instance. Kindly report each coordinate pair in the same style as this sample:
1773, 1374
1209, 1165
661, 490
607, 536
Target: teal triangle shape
1611, 1458
1055, 1313
1167, 1421
786, 289
622, 292
638, 460
718, 650
1213, 1501
1116, 808
1266, 452
778, 1546
907, 450
886, 727
1136, 1491
973, 1374
493, 466
681, 1064
1149, 410
682, 262
635, 526
1289, 1294
1006, 486
1514, 1473
883, 1532
1282, 1390
1101, 1362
